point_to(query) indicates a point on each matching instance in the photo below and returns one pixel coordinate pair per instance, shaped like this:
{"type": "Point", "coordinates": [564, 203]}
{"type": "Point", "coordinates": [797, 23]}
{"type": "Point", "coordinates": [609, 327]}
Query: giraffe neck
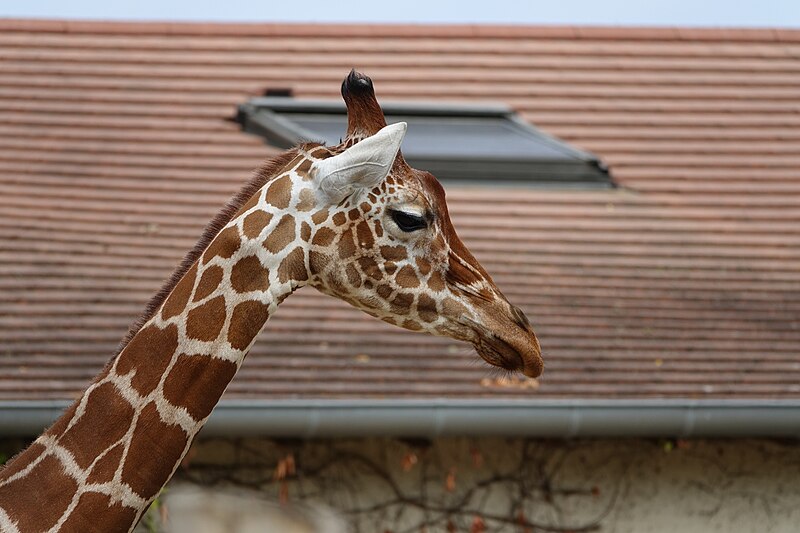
{"type": "Point", "coordinates": [102, 463]}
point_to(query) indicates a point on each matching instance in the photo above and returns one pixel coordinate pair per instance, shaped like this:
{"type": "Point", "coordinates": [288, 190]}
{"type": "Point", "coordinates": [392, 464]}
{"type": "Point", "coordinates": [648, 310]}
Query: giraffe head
{"type": "Point", "coordinates": [388, 247]}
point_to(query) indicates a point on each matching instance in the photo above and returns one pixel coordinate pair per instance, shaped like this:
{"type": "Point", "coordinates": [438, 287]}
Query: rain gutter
{"type": "Point", "coordinates": [446, 417]}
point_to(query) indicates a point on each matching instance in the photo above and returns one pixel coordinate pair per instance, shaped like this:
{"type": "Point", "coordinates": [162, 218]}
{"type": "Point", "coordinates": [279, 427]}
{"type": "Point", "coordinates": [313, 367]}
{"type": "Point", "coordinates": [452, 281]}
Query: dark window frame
{"type": "Point", "coordinates": [278, 120]}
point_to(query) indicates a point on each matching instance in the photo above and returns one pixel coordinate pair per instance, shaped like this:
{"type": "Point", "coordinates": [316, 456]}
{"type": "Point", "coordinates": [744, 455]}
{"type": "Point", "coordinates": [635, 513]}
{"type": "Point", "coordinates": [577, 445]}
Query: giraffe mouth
{"type": "Point", "coordinates": [500, 354]}
{"type": "Point", "coordinates": [521, 356]}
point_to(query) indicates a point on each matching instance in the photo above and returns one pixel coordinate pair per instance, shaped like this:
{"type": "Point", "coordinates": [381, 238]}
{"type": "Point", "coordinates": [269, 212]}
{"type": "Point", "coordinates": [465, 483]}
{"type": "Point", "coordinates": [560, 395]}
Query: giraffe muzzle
{"type": "Point", "coordinates": [516, 350]}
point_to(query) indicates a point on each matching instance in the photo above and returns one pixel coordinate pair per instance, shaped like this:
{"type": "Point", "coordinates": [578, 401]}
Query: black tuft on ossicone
{"type": "Point", "coordinates": [364, 113]}
{"type": "Point", "coordinates": [357, 83]}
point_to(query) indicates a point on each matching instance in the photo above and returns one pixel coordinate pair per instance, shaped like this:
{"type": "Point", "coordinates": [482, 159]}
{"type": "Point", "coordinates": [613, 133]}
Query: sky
{"type": "Point", "coordinates": [713, 13]}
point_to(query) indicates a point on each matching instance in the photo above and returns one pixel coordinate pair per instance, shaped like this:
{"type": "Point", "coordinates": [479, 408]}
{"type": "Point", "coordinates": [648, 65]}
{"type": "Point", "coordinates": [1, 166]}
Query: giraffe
{"type": "Point", "coordinates": [355, 222]}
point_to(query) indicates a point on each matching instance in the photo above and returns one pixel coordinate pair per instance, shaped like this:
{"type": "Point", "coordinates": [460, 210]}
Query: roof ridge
{"type": "Point", "coordinates": [632, 33]}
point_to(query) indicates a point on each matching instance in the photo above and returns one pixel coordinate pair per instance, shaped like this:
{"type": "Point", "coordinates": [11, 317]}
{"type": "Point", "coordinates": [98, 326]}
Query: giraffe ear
{"type": "Point", "coordinates": [362, 166]}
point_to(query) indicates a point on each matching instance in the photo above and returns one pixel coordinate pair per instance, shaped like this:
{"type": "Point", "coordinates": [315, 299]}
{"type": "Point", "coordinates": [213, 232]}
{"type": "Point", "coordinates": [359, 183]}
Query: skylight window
{"type": "Point", "coordinates": [476, 144]}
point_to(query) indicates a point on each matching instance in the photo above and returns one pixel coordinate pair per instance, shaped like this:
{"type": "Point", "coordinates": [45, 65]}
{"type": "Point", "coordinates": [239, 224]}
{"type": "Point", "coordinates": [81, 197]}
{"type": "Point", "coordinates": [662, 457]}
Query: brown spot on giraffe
{"type": "Point", "coordinates": [339, 218]}
{"type": "Point", "coordinates": [317, 262]}
{"type": "Point", "coordinates": [224, 245]}
{"type": "Point", "coordinates": [364, 235]}
{"type": "Point", "coordinates": [394, 253]}
{"type": "Point", "coordinates": [384, 290]}
{"type": "Point", "coordinates": [152, 436]}
{"type": "Point", "coordinates": [209, 281]}
{"type": "Point", "coordinates": [424, 265]}
{"type": "Point", "coordinates": [282, 235]}
{"type": "Point", "coordinates": [407, 277]}
{"type": "Point", "coordinates": [148, 354]}
{"type": "Point", "coordinates": [205, 321]}
{"type": "Point", "coordinates": [107, 414]}
{"type": "Point", "coordinates": [248, 274]}
{"type": "Point", "coordinates": [436, 282]}
{"type": "Point", "coordinates": [401, 302]}
{"type": "Point", "coordinates": [353, 277]}
{"type": "Point", "coordinates": [246, 321]}
{"type": "Point", "coordinates": [177, 301]}
{"type": "Point", "coordinates": [304, 167]}
{"type": "Point", "coordinates": [293, 266]}
{"type": "Point", "coordinates": [320, 153]}
{"type": "Point", "coordinates": [305, 231]}
{"type": "Point", "coordinates": [196, 383]}
{"type": "Point", "coordinates": [91, 505]}
{"type": "Point", "coordinates": [54, 490]}
{"type": "Point", "coordinates": [279, 194]}
{"type": "Point", "coordinates": [320, 216]}
{"type": "Point", "coordinates": [347, 247]}
{"type": "Point", "coordinates": [255, 223]}
{"type": "Point", "coordinates": [411, 324]}
{"type": "Point", "coordinates": [426, 308]}
{"type": "Point", "coordinates": [323, 237]}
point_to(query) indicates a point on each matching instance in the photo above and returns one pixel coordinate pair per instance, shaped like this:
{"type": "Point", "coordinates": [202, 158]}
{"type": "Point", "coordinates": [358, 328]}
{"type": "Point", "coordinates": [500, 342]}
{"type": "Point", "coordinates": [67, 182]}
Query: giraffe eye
{"type": "Point", "coordinates": [408, 222]}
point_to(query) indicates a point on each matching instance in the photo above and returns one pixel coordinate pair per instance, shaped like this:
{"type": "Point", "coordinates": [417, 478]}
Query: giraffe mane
{"type": "Point", "coordinates": [266, 172]}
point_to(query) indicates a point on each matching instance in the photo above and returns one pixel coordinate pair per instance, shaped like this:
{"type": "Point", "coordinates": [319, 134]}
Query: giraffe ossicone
{"type": "Point", "coordinates": [352, 220]}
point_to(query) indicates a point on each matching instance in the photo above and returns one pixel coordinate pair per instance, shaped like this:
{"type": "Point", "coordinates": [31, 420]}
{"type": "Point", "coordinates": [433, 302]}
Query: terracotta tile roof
{"type": "Point", "coordinates": [115, 151]}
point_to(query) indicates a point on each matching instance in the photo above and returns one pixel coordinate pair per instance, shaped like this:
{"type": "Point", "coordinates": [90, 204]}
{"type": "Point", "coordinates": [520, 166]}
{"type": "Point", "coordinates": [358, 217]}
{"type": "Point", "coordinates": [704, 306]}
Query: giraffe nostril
{"type": "Point", "coordinates": [519, 317]}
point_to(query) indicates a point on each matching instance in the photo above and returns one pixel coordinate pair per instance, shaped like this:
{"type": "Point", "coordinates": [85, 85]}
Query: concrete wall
{"type": "Point", "coordinates": [623, 486]}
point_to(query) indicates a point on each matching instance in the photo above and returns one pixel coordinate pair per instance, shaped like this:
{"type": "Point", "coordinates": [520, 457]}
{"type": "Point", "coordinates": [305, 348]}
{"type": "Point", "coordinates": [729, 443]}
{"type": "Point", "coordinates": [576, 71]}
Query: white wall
{"type": "Point", "coordinates": [624, 486]}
